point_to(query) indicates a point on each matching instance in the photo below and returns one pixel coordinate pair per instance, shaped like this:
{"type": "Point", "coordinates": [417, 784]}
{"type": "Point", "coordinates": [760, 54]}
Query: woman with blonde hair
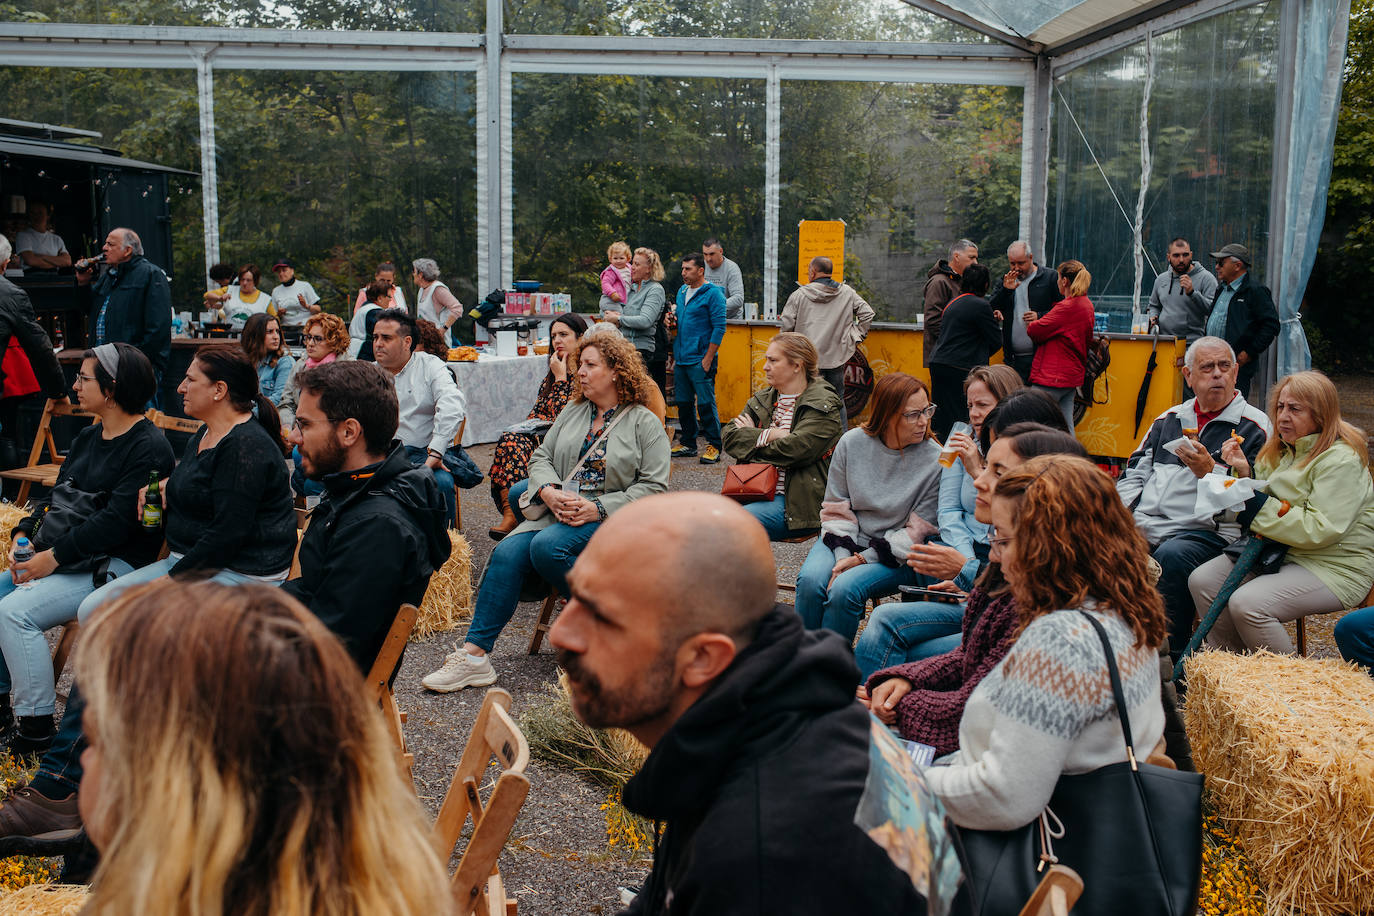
{"type": "Point", "coordinates": [793, 424]}
{"type": "Point", "coordinates": [1062, 336]}
{"type": "Point", "coordinates": [235, 765]}
{"type": "Point", "coordinates": [1318, 502]}
{"type": "Point", "coordinates": [1069, 551]}
{"type": "Point", "coordinates": [881, 499]}
{"type": "Point", "coordinates": [639, 319]}
{"type": "Point", "coordinates": [605, 450]}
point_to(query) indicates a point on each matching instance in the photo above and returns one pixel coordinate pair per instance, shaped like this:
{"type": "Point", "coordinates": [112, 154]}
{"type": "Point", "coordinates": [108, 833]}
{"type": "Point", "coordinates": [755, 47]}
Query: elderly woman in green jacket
{"type": "Point", "coordinates": [792, 424]}
{"type": "Point", "coordinates": [1319, 501]}
{"type": "Point", "coordinates": [605, 450]}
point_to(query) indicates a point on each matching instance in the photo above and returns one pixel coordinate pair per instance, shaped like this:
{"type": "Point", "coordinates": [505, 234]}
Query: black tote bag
{"type": "Point", "coordinates": [1132, 831]}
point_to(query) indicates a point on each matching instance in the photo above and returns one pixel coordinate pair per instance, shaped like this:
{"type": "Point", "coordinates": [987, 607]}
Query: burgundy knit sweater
{"type": "Point", "coordinates": [930, 713]}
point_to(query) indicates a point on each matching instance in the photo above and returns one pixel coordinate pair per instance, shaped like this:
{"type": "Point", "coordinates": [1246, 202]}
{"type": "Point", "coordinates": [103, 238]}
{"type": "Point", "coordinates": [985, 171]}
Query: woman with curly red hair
{"type": "Point", "coordinates": [1068, 544]}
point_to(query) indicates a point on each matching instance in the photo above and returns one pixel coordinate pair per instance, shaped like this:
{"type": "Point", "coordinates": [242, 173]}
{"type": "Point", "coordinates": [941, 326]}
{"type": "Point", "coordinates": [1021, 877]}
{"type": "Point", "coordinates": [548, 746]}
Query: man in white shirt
{"type": "Point", "coordinates": [430, 403]}
{"type": "Point", "coordinates": [39, 247]}
{"type": "Point", "coordinates": [294, 298]}
{"type": "Point", "coordinates": [724, 273]}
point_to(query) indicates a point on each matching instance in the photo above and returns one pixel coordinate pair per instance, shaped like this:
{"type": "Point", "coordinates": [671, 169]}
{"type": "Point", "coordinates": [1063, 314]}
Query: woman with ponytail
{"type": "Point", "coordinates": [227, 507]}
{"type": "Point", "coordinates": [1062, 336]}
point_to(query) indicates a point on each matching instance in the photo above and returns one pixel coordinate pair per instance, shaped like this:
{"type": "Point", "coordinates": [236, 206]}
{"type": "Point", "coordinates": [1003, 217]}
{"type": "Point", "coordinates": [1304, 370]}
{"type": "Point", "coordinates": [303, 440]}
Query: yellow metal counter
{"type": "Point", "coordinates": [1106, 431]}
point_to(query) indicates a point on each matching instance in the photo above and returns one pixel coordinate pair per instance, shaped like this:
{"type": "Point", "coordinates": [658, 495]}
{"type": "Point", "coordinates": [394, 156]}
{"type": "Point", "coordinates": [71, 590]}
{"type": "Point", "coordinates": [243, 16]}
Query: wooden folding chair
{"type": "Point", "coordinates": [792, 586]}
{"type": "Point", "coordinates": [1056, 894]}
{"type": "Point", "coordinates": [63, 650]}
{"type": "Point", "coordinates": [545, 621]}
{"type": "Point", "coordinates": [379, 683]}
{"type": "Point", "coordinates": [477, 886]}
{"type": "Point", "coordinates": [36, 471]}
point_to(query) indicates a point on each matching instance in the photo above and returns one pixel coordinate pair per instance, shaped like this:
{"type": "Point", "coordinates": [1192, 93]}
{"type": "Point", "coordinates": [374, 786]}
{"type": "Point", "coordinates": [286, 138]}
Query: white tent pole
{"type": "Point", "coordinates": [772, 162]}
{"type": "Point", "coordinates": [496, 169]}
{"type": "Point", "coordinates": [209, 183]}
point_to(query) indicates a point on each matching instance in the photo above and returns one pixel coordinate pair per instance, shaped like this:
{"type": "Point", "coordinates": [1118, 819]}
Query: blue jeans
{"type": "Point", "coordinates": [26, 669]}
{"type": "Point", "coordinates": [1064, 398]}
{"type": "Point", "coordinates": [1355, 637]}
{"type": "Point", "coordinates": [692, 383]}
{"type": "Point", "coordinates": [771, 517]}
{"type": "Point", "coordinates": [442, 477]}
{"type": "Point", "coordinates": [842, 606]}
{"type": "Point", "coordinates": [59, 772]}
{"type": "Point", "coordinates": [549, 553]}
{"type": "Point", "coordinates": [1177, 557]}
{"type": "Point", "coordinates": [907, 631]}
{"type": "Point", "coordinates": [112, 590]}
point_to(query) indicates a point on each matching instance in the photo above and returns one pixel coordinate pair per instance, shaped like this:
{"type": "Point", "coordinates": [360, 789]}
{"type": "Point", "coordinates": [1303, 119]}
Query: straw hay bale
{"type": "Point", "coordinates": [10, 515]}
{"type": "Point", "coordinates": [448, 601]}
{"type": "Point", "coordinates": [1287, 744]}
{"type": "Point", "coordinates": [44, 900]}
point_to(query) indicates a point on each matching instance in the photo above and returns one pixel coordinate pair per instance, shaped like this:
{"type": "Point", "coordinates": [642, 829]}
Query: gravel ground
{"type": "Point", "coordinates": [558, 860]}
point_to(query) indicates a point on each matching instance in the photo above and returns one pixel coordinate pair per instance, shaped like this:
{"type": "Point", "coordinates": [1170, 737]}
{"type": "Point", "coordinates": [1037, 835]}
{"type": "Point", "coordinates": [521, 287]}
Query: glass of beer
{"type": "Point", "coordinates": [949, 453]}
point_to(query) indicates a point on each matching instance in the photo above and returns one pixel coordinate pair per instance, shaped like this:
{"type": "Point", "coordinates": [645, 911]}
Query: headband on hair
{"type": "Point", "coordinates": [108, 358]}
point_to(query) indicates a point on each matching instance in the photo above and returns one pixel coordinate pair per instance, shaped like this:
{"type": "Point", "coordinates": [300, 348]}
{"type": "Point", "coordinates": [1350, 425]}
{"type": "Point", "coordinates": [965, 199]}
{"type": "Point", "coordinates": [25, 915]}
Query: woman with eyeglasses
{"type": "Point", "coordinates": [84, 529]}
{"type": "Point", "coordinates": [925, 698]}
{"type": "Point", "coordinates": [326, 339]}
{"type": "Point", "coordinates": [881, 497]}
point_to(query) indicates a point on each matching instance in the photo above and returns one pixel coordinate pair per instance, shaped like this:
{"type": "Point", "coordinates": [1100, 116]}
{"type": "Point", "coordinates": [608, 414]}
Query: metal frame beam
{"type": "Point", "coordinates": [958, 17]}
{"type": "Point", "coordinates": [1078, 52]}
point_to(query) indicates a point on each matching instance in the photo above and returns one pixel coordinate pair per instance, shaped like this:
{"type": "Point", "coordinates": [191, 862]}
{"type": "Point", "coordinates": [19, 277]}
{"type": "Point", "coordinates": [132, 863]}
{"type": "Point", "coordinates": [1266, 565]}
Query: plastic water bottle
{"type": "Point", "coordinates": [23, 552]}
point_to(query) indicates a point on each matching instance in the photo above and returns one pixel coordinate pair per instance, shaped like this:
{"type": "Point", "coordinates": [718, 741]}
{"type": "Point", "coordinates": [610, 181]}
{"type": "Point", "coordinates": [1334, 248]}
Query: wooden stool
{"type": "Point", "coordinates": [545, 621]}
{"type": "Point", "coordinates": [785, 586]}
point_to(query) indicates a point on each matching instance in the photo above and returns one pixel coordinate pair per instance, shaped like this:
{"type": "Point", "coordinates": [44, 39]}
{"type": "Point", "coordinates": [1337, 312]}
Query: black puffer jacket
{"type": "Point", "coordinates": [17, 320]}
{"type": "Point", "coordinates": [759, 782]}
{"type": "Point", "coordinates": [372, 544]}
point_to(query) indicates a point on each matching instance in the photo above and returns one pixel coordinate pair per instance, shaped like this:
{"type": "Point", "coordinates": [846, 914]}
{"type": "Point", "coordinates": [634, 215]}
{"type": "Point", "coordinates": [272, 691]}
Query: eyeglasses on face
{"type": "Point", "coordinates": [999, 540]}
{"type": "Point", "coordinates": [1219, 366]}
{"type": "Point", "coordinates": [83, 379]}
{"type": "Point", "coordinates": [312, 338]}
{"type": "Point", "coordinates": [911, 416]}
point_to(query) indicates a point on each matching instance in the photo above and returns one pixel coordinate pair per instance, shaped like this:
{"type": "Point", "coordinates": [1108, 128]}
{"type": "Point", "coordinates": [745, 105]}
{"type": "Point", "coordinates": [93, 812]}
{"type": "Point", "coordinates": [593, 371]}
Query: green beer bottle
{"type": "Point", "coordinates": [152, 504]}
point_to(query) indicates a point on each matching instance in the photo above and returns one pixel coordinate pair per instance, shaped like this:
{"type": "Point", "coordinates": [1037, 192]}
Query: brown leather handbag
{"type": "Point", "coordinates": [750, 483]}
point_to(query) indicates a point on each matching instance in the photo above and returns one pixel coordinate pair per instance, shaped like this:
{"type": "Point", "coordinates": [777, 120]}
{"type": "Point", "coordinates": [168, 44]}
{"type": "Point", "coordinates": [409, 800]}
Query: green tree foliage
{"type": "Point", "coordinates": [1338, 302]}
{"type": "Point", "coordinates": [340, 170]}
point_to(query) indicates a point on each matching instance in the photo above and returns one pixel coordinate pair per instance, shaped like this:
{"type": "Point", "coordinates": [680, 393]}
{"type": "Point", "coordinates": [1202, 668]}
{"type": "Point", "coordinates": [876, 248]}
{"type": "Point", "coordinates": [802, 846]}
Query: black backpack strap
{"type": "Point", "coordinates": [1117, 692]}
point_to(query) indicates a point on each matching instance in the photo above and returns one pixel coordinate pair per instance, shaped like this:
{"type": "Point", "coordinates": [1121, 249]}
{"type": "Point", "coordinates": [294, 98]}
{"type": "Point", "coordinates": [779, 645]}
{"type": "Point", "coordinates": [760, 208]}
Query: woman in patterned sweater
{"type": "Point", "coordinates": [511, 463]}
{"type": "Point", "coordinates": [1067, 543]}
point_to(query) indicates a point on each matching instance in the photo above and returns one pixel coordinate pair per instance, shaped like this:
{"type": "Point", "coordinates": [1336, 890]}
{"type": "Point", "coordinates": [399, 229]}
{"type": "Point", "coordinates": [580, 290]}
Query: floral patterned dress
{"type": "Point", "coordinates": [511, 463]}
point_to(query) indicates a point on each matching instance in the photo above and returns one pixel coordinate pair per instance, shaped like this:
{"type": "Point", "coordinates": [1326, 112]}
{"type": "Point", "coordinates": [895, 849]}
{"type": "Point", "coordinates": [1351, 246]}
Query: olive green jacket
{"type": "Point", "coordinates": [1330, 528]}
{"type": "Point", "coordinates": [803, 454]}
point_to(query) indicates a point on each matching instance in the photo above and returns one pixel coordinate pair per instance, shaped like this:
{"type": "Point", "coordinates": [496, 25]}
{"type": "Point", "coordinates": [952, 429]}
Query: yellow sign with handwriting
{"type": "Point", "coordinates": [820, 238]}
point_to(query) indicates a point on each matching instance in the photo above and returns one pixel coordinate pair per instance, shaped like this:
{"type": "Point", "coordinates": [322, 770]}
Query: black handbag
{"type": "Point", "coordinates": [67, 508]}
{"type": "Point", "coordinates": [1132, 831]}
{"type": "Point", "coordinates": [1271, 555]}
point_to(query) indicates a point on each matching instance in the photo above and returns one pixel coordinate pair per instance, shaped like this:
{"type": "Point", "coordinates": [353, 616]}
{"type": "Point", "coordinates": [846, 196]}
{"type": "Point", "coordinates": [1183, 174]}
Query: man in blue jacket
{"type": "Point", "coordinates": [132, 301]}
{"type": "Point", "coordinates": [700, 329]}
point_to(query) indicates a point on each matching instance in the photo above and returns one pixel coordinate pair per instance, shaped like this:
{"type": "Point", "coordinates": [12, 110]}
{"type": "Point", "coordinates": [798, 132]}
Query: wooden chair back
{"type": "Point", "coordinates": [169, 423]}
{"type": "Point", "coordinates": [477, 886]}
{"type": "Point", "coordinates": [379, 684]}
{"type": "Point", "coordinates": [35, 469]}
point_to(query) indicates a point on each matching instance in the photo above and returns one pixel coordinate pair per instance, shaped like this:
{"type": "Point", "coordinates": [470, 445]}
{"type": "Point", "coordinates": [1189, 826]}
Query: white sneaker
{"type": "Point", "coordinates": [460, 671]}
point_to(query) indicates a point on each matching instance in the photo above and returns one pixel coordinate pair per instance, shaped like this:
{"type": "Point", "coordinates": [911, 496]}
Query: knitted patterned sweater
{"type": "Point", "coordinates": [941, 685]}
{"type": "Point", "coordinates": [1046, 710]}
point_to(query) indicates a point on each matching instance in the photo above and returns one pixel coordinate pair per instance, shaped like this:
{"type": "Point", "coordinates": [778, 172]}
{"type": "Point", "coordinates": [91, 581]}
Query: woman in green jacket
{"type": "Point", "coordinates": [1319, 501]}
{"type": "Point", "coordinates": [792, 424]}
{"type": "Point", "coordinates": [622, 451]}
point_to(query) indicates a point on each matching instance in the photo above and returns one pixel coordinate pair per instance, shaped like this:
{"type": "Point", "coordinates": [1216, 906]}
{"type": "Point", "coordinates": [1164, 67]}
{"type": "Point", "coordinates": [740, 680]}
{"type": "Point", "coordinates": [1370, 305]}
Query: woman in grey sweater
{"type": "Point", "coordinates": [881, 498]}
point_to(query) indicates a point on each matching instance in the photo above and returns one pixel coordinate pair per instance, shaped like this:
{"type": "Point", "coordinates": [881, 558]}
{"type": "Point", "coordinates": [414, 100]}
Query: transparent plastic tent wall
{"type": "Point", "coordinates": [520, 139]}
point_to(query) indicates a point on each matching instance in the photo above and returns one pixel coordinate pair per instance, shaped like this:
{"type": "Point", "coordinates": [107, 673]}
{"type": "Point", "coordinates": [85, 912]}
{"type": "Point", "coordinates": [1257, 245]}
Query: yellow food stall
{"type": "Point", "coordinates": [1107, 430]}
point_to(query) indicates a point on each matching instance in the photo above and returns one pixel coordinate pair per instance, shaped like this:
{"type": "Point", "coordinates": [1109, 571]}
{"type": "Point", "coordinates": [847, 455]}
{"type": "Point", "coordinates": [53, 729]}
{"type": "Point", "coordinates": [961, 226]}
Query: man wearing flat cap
{"type": "Point", "coordinates": [1243, 312]}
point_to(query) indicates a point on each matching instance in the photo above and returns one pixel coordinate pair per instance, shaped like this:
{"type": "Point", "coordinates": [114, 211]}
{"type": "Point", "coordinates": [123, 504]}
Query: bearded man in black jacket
{"type": "Point", "coordinates": [759, 751]}
{"type": "Point", "coordinates": [380, 531]}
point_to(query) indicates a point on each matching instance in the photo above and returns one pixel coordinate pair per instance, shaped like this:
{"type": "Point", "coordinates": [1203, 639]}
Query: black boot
{"type": "Point", "coordinates": [33, 737]}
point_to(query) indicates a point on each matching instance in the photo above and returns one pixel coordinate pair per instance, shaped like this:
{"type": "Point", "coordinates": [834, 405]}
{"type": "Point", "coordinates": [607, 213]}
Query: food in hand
{"type": "Point", "coordinates": [1237, 437]}
{"type": "Point", "coordinates": [1226, 485]}
{"type": "Point", "coordinates": [462, 355]}
{"type": "Point", "coordinates": [1190, 432]}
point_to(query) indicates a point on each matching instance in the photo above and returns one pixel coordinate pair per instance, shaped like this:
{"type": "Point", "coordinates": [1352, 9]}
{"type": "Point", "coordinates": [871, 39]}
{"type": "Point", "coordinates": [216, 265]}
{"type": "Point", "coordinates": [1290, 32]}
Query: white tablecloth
{"type": "Point", "coordinates": [500, 391]}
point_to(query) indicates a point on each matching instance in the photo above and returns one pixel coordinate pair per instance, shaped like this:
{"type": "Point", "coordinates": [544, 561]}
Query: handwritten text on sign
{"type": "Point", "coordinates": [820, 237]}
